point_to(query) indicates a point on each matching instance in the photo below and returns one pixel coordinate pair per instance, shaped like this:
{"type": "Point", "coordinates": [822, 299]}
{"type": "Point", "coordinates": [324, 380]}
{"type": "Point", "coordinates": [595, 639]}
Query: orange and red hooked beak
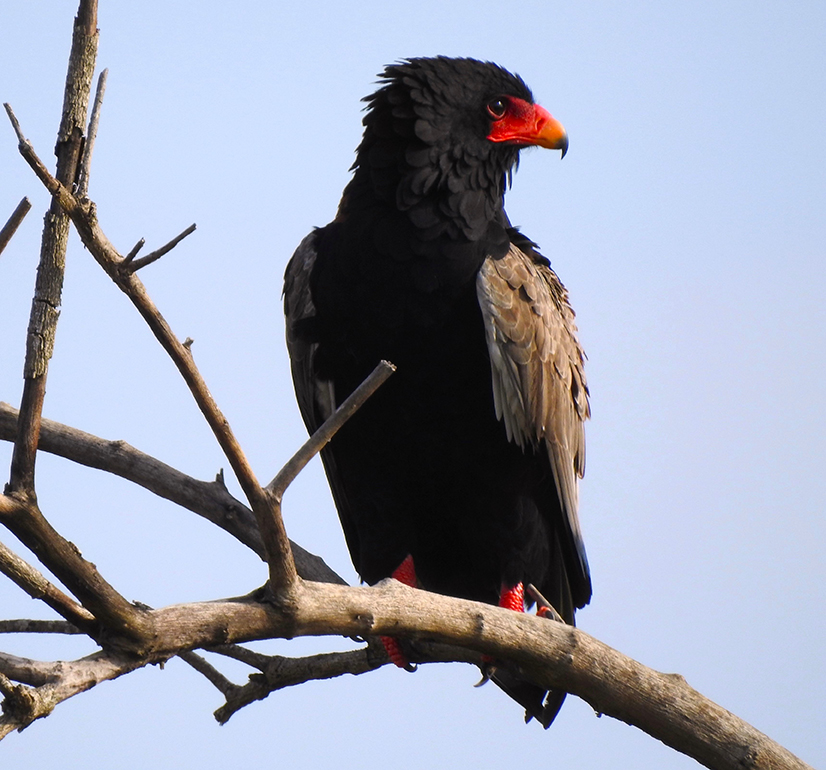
{"type": "Point", "coordinates": [523, 123]}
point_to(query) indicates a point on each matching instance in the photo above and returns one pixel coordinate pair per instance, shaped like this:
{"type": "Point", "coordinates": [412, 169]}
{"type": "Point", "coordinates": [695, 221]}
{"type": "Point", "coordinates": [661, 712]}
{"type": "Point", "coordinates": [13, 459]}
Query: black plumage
{"type": "Point", "coordinates": [468, 458]}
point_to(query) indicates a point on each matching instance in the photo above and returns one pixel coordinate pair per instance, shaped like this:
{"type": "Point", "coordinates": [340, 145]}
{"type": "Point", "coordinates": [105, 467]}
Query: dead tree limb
{"type": "Point", "coordinates": [266, 508]}
{"type": "Point", "coordinates": [329, 428]}
{"type": "Point", "coordinates": [10, 228]}
{"type": "Point", "coordinates": [23, 626]}
{"type": "Point", "coordinates": [49, 285]}
{"type": "Point", "coordinates": [209, 499]}
{"type": "Point", "coordinates": [55, 683]}
{"type": "Point", "coordinates": [35, 585]}
{"type": "Point", "coordinates": [91, 135]}
{"type": "Point", "coordinates": [154, 256]}
{"type": "Point", "coordinates": [552, 654]}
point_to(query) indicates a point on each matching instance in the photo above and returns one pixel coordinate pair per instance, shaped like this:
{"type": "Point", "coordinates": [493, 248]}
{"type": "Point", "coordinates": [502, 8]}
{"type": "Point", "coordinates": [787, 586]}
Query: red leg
{"type": "Point", "coordinates": [404, 573]}
{"type": "Point", "coordinates": [512, 598]}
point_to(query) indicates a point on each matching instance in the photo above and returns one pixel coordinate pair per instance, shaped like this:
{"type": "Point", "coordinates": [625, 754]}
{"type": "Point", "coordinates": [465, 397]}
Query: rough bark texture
{"type": "Point", "coordinates": [49, 284]}
{"type": "Point", "coordinates": [553, 654]}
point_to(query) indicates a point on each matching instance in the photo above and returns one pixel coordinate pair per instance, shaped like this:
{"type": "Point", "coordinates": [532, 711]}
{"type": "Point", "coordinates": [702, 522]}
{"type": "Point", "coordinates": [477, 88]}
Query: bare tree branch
{"type": "Point", "coordinates": [27, 626]}
{"type": "Point", "coordinates": [202, 666]}
{"type": "Point", "coordinates": [10, 228]}
{"type": "Point", "coordinates": [23, 705]}
{"type": "Point", "coordinates": [32, 672]}
{"type": "Point", "coordinates": [134, 252]}
{"type": "Point", "coordinates": [209, 499]}
{"type": "Point", "coordinates": [91, 135]}
{"type": "Point", "coordinates": [552, 654]}
{"type": "Point", "coordinates": [244, 655]}
{"type": "Point", "coordinates": [22, 670]}
{"type": "Point", "coordinates": [281, 672]}
{"type": "Point", "coordinates": [329, 428]}
{"type": "Point", "coordinates": [35, 585]}
{"type": "Point", "coordinates": [49, 285]}
{"type": "Point", "coordinates": [158, 253]}
{"type": "Point", "coordinates": [80, 576]}
{"type": "Point", "coordinates": [266, 508]}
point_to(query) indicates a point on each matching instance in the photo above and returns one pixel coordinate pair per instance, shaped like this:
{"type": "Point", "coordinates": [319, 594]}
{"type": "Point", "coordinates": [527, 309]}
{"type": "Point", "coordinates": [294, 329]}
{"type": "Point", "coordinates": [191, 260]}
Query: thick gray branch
{"type": "Point", "coordinates": [552, 654]}
{"type": "Point", "coordinates": [49, 283]}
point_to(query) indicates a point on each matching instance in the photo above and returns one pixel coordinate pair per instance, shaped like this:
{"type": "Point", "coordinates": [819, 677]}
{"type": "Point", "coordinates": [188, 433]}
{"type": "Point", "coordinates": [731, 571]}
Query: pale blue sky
{"type": "Point", "coordinates": [687, 222]}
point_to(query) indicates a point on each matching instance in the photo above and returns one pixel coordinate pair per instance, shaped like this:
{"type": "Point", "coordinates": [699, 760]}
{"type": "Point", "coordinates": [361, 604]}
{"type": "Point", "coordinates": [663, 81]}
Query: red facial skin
{"type": "Point", "coordinates": [518, 122]}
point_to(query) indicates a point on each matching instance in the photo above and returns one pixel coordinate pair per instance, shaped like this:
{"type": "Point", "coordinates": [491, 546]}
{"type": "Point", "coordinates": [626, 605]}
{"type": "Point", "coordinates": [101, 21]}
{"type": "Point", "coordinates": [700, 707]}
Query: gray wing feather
{"type": "Point", "coordinates": [537, 368]}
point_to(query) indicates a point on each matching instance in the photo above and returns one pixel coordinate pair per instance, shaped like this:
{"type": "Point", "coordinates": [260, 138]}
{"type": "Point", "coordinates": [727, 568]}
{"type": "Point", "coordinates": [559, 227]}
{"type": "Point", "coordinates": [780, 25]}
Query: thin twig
{"type": "Point", "coordinates": [10, 228]}
{"type": "Point", "coordinates": [15, 124]}
{"type": "Point", "coordinates": [244, 655]}
{"type": "Point", "coordinates": [158, 253]}
{"type": "Point", "coordinates": [134, 251]}
{"type": "Point", "coordinates": [329, 428]}
{"type": "Point", "coordinates": [202, 666]}
{"type": "Point", "coordinates": [548, 610]}
{"type": "Point", "coordinates": [28, 626]}
{"type": "Point", "coordinates": [91, 135]}
{"type": "Point", "coordinates": [35, 585]}
{"type": "Point", "coordinates": [30, 156]}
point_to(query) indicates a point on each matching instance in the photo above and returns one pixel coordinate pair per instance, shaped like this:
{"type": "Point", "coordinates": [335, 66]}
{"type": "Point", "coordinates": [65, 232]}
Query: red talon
{"type": "Point", "coordinates": [404, 573]}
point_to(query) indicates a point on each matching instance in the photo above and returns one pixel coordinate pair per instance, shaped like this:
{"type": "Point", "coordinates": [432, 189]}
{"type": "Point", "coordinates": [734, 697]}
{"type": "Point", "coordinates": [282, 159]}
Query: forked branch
{"type": "Point", "coordinates": [267, 512]}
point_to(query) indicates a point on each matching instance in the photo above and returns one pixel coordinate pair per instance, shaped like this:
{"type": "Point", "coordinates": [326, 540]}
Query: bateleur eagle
{"type": "Point", "coordinates": [460, 474]}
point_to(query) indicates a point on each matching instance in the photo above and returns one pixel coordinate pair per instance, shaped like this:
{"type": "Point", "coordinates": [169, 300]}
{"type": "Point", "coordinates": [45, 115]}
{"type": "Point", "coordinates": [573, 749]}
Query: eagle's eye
{"type": "Point", "coordinates": [497, 108]}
